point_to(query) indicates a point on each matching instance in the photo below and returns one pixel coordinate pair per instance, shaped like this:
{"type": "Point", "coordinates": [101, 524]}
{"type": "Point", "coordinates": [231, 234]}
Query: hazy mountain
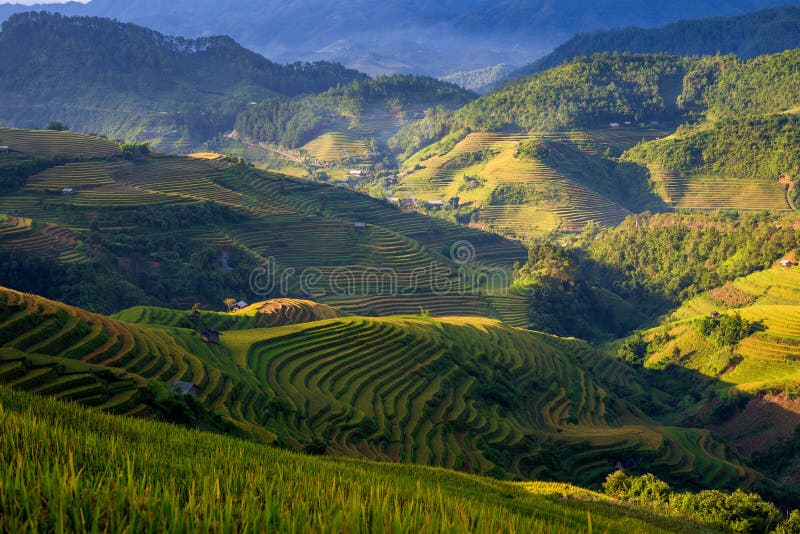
{"type": "Point", "coordinates": [764, 32]}
{"type": "Point", "coordinates": [436, 38]}
{"type": "Point", "coordinates": [118, 78]}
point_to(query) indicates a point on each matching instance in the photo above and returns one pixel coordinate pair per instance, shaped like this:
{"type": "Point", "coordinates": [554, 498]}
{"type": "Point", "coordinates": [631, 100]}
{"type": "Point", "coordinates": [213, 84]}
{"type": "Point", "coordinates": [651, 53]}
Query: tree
{"type": "Point", "coordinates": [57, 126]}
{"type": "Point", "coordinates": [229, 303]}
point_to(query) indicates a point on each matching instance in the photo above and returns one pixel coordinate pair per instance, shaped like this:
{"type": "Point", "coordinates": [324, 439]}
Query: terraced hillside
{"type": "Point", "coordinates": [716, 192]}
{"type": "Point", "coordinates": [483, 165]}
{"type": "Point", "coordinates": [45, 143]}
{"type": "Point", "coordinates": [768, 359]}
{"type": "Point", "coordinates": [211, 207]}
{"type": "Point", "coordinates": [470, 394]}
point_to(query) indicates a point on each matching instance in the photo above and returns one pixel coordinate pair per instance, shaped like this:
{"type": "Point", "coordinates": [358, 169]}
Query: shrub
{"type": "Point", "coordinates": [734, 512]}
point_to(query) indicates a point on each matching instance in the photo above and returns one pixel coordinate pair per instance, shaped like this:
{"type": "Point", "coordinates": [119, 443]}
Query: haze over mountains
{"type": "Point", "coordinates": [434, 38]}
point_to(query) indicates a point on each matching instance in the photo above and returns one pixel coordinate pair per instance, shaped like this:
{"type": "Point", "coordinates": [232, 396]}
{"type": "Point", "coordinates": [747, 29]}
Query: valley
{"type": "Point", "coordinates": [341, 302]}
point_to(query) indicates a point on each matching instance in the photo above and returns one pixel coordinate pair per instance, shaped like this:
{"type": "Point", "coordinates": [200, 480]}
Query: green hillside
{"type": "Point", "coordinates": [65, 467]}
{"type": "Point", "coordinates": [136, 232]}
{"type": "Point", "coordinates": [528, 185]}
{"type": "Point", "coordinates": [126, 81]}
{"type": "Point", "coordinates": [468, 394]}
{"type": "Point", "coordinates": [745, 154]}
{"type": "Point", "coordinates": [586, 92]}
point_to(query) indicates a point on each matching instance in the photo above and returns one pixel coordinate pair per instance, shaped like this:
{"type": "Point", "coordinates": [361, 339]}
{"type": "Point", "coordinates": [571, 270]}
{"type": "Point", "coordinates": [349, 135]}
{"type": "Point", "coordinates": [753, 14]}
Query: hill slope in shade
{"type": "Point", "coordinates": [270, 313]}
{"type": "Point", "coordinates": [469, 394]}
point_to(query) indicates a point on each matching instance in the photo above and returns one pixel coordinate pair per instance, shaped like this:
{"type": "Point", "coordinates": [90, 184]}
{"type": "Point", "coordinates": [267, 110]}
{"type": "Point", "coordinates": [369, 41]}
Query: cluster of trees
{"type": "Point", "coordinates": [674, 257]}
{"type": "Point", "coordinates": [726, 330]}
{"type": "Point", "coordinates": [751, 131]}
{"type": "Point", "coordinates": [14, 175]}
{"type": "Point", "coordinates": [281, 122]}
{"type": "Point", "coordinates": [739, 512]}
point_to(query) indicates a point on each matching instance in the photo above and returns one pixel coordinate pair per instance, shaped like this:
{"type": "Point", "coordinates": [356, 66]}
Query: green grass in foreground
{"type": "Point", "coordinates": [64, 468]}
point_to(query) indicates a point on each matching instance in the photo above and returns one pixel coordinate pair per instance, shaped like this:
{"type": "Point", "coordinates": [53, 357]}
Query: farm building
{"type": "Point", "coordinates": [361, 227]}
{"type": "Point", "coordinates": [68, 191]}
{"type": "Point", "coordinates": [715, 314]}
{"type": "Point", "coordinates": [786, 263]}
{"type": "Point", "coordinates": [356, 173]}
{"type": "Point", "coordinates": [210, 336]}
{"type": "Point", "coordinates": [184, 388]}
{"type": "Point", "coordinates": [4, 150]}
{"type": "Point", "coordinates": [437, 204]}
{"type": "Point", "coordinates": [240, 305]}
{"type": "Point", "coordinates": [408, 203]}
{"type": "Point", "coordinates": [394, 201]}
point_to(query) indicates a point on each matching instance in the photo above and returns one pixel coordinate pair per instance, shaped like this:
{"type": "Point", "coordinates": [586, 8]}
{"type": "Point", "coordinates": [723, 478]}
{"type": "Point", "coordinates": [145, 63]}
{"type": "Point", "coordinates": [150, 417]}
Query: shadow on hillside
{"type": "Point", "coordinates": [626, 183]}
{"type": "Point", "coordinates": [687, 398]}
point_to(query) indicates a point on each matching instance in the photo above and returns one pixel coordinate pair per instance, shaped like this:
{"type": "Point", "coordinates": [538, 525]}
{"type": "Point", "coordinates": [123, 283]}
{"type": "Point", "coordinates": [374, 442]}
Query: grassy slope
{"type": "Point", "coordinates": [464, 393]}
{"type": "Point", "coordinates": [62, 466]}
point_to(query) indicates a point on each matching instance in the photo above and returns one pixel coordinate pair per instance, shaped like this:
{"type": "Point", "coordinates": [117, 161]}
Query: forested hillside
{"type": "Point", "coordinates": [587, 92]}
{"type": "Point", "coordinates": [747, 36]}
{"type": "Point", "coordinates": [293, 123]}
{"type": "Point", "coordinates": [122, 80]}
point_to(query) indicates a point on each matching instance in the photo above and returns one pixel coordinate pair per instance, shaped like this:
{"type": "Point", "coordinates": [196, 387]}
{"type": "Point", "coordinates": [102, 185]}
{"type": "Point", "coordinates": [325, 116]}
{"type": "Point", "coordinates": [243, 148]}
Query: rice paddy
{"type": "Point", "coordinates": [712, 193]}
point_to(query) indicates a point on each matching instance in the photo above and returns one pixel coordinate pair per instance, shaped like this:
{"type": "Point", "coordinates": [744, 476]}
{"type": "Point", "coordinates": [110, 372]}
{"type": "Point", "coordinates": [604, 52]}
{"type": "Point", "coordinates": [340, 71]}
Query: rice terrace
{"type": "Point", "coordinates": [405, 275]}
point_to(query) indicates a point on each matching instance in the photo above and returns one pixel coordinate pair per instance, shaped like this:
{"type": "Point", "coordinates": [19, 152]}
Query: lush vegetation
{"type": "Point", "coordinates": [758, 147]}
{"type": "Point", "coordinates": [729, 512]}
{"type": "Point", "coordinates": [148, 225]}
{"type": "Point", "coordinates": [619, 277]}
{"type": "Point", "coordinates": [532, 405]}
{"type": "Point", "coordinates": [583, 93]}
